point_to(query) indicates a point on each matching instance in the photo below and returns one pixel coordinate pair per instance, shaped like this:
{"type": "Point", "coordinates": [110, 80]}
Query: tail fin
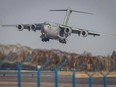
{"type": "Point", "coordinates": [68, 12]}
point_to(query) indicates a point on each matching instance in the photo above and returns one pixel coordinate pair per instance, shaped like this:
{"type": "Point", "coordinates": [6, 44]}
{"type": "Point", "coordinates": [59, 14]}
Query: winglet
{"type": "Point", "coordinates": [0, 22]}
{"type": "Point", "coordinates": [114, 36]}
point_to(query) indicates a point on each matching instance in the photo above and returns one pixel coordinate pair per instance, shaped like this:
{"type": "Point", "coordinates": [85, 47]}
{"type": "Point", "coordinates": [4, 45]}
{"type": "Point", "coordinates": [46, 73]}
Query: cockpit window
{"type": "Point", "coordinates": [50, 23]}
{"type": "Point", "coordinates": [46, 22]}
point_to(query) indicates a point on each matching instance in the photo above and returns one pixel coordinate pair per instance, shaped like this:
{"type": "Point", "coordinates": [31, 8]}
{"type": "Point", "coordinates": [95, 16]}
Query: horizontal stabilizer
{"type": "Point", "coordinates": [72, 11]}
{"type": "Point", "coordinates": [82, 12]}
{"type": "Point", "coordinates": [59, 10]}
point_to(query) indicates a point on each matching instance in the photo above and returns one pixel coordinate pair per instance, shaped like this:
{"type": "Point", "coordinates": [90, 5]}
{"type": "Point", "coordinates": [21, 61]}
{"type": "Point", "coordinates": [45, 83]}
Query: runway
{"type": "Point", "coordinates": [8, 78]}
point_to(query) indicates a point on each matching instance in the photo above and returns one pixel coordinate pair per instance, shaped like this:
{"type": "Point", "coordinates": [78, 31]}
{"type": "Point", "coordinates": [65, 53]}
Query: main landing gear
{"type": "Point", "coordinates": [62, 41]}
{"type": "Point", "coordinates": [45, 39]}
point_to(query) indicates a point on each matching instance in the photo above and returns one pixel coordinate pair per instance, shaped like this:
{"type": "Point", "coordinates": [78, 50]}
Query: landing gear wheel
{"type": "Point", "coordinates": [45, 39]}
{"type": "Point", "coordinates": [62, 41]}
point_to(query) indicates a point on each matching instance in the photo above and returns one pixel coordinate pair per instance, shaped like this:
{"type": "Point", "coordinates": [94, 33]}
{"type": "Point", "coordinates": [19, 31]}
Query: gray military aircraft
{"type": "Point", "coordinates": [56, 31]}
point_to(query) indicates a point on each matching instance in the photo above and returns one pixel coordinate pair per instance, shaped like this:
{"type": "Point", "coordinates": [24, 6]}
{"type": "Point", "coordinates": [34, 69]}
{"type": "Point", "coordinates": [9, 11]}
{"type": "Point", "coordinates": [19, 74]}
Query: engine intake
{"type": "Point", "coordinates": [33, 27]}
{"type": "Point", "coordinates": [20, 27]}
{"type": "Point", "coordinates": [67, 31]}
{"type": "Point", "coordinates": [84, 33]}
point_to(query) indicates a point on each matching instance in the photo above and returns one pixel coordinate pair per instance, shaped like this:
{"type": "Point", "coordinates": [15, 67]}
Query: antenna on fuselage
{"type": "Point", "coordinates": [68, 12]}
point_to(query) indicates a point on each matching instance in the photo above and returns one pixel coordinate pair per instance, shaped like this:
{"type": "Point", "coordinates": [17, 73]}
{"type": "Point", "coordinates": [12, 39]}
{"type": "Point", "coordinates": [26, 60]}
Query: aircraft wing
{"type": "Point", "coordinates": [20, 27]}
{"type": "Point", "coordinates": [8, 25]}
{"type": "Point", "coordinates": [84, 32]}
{"type": "Point", "coordinates": [80, 31]}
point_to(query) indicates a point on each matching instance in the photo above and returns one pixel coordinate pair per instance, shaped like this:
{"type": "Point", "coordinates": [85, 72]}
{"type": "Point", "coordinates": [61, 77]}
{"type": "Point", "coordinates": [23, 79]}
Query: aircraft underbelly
{"type": "Point", "coordinates": [52, 32]}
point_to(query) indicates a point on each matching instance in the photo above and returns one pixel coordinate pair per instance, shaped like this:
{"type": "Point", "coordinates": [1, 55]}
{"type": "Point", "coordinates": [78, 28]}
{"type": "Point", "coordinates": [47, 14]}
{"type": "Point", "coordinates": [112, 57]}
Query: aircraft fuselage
{"type": "Point", "coordinates": [53, 31]}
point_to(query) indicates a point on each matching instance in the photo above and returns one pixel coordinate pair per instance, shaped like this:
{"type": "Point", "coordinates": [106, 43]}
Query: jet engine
{"type": "Point", "coordinates": [84, 33]}
{"type": "Point", "coordinates": [21, 27]}
{"type": "Point", "coordinates": [33, 27]}
{"type": "Point", "coordinates": [68, 31]}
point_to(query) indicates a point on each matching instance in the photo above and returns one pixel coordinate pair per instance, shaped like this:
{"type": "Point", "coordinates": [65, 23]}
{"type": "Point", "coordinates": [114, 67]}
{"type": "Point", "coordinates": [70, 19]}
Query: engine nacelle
{"type": "Point", "coordinates": [68, 31]}
{"type": "Point", "coordinates": [23, 26]}
{"type": "Point", "coordinates": [33, 27]}
{"type": "Point", "coordinates": [84, 33]}
{"type": "Point", "coordinates": [20, 27]}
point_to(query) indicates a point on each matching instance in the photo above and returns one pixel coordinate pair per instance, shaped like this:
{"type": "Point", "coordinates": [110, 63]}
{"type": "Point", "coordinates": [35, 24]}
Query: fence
{"type": "Point", "coordinates": [56, 74]}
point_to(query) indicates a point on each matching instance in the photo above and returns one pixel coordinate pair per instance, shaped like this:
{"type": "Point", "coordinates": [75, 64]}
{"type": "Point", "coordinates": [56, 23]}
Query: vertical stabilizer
{"type": "Point", "coordinates": [68, 13]}
{"type": "Point", "coordinates": [66, 19]}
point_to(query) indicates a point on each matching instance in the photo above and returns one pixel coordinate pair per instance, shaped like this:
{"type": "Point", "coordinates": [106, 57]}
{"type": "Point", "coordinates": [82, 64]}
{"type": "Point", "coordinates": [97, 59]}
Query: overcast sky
{"type": "Point", "coordinates": [37, 11]}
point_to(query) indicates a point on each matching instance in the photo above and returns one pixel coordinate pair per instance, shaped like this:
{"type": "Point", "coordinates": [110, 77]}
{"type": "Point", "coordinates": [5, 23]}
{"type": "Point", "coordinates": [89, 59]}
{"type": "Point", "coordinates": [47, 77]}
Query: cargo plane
{"type": "Point", "coordinates": [56, 31]}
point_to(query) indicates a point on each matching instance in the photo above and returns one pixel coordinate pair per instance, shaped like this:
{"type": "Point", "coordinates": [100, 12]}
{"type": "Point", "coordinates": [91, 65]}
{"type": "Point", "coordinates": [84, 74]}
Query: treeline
{"type": "Point", "coordinates": [11, 55]}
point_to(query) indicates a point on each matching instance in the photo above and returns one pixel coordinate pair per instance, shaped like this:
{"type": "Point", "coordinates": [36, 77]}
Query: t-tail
{"type": "Point", "coordinates": [68, 12]}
